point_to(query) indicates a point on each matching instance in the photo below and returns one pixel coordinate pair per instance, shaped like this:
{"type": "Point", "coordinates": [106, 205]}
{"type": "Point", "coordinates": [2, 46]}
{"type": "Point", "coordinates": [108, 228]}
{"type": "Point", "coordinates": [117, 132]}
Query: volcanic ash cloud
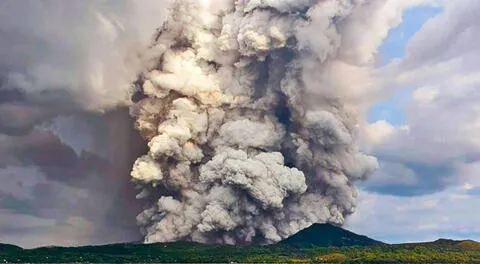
{"type": "Point", "coordinates": [242, 149]}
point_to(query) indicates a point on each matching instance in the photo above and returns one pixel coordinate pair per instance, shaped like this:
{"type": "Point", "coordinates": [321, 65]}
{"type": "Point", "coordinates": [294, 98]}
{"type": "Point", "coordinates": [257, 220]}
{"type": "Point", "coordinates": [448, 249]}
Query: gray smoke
{"type": "Point", "coordinates": [248, 142]}
{"type": "Point", "coordinates": [67, 142]}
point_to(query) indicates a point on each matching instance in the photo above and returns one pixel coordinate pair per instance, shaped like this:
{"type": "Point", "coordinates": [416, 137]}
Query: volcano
{"type": "Point", "coordinates": [328, 235]}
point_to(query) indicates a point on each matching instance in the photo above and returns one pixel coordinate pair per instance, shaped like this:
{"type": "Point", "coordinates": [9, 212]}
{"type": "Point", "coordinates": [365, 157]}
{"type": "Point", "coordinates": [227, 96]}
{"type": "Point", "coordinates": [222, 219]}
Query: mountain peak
{"type": "Point", "coordinates": [326, 235]}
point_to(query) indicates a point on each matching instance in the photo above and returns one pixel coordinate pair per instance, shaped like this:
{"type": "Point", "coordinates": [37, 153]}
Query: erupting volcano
{"type": "Point", "coordinates": [249, 139]}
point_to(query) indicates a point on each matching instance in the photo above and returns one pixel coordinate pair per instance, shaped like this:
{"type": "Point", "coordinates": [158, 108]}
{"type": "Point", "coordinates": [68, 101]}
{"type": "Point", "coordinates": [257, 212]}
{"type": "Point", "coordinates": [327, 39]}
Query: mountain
{"type": "Point", "coordinates": [327, 235]}
{"type": "Point", "coordinates": [442, 242]}
{"type": "Point", "coordinates": [319, 243]}
{"type": "Point", "coordinates": [468, 244]}
{"type": "Point", "coordinates": [8, 248]}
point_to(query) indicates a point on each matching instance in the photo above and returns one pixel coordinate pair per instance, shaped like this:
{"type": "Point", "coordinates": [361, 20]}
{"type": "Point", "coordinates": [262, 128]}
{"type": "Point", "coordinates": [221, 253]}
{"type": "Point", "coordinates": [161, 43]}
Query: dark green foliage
{"type": "Point", "coordinates": [365, 250]}
{"type": "Point", "coordinates": [197, 253]}
{"type": "Point", "coordinates": [325, 235]}
{"type": "Point", "coordinates": [8, 248]}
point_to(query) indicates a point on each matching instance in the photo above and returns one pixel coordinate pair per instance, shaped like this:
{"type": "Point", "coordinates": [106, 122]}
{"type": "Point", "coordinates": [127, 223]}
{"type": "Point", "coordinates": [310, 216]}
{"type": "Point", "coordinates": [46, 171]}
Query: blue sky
{"type": "Point", "coordinates": [395, 44]}
{"type": "Point", "coordinates": [392, 48]}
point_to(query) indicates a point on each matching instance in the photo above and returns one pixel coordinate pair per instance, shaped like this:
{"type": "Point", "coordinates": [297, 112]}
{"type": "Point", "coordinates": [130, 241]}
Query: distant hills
{"type": "Point", "coordinates": [448, 242]}
{"type": "Point", "coordinates": [328, 235]}
{"type": "Point", "coordinates": [8, 248]}
{"type": "Point", "coordinates": [319, 243]}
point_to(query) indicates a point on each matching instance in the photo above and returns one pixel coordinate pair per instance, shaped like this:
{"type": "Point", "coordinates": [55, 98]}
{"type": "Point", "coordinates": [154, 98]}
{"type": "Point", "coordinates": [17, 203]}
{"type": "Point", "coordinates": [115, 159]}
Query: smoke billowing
{"type": "Point", "coordinates": [67, 142]}
{"type": "Point", "coordinates": [250, 138]}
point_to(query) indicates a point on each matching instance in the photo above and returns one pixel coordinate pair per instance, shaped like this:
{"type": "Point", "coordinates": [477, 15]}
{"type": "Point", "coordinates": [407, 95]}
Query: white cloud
{"type": "Point", "coordinates": [378, 132]}
{"type": "Point", "coordinates": [443, 117]}
{"type": "Point", "coordinates": [411, 219]}
{"type": "Point", "coordinates": [425, 95]}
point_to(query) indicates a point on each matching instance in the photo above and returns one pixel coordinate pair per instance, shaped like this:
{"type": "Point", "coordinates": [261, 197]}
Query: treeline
{"type": "Point", "coordinates": [198, 253]}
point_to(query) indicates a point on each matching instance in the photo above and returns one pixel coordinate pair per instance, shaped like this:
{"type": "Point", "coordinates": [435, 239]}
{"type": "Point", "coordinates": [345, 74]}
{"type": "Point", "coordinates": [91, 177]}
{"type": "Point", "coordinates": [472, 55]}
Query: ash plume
{"type": "Point", "coordinates": [247, 141]}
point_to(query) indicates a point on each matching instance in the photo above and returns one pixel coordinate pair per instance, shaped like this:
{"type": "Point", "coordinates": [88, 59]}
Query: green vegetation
{"type": "Point", "coordinates": [469, 244]}
{"type": "Point", "coordinates": [193, 252]}
{"type": "Point", "coordinates": [8, 248]}
{"type": "Point", "coordinates": [317, 244]}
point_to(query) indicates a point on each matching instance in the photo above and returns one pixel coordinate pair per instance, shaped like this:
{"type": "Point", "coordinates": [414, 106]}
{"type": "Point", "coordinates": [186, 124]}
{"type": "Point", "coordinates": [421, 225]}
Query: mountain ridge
{"type": "Point", "coordinates": [466, 243]}
{"type": "Point", "coordinates": [328, 235]}
{"type": "Point", "coordinates": [321, 243]}
{"type": "Point", "coordinates": [317, 235]}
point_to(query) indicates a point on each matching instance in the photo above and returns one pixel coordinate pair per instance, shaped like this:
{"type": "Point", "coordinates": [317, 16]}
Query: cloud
{"type": "Point", "coordinates": [440, 137]}
{"type": "Point", "coordinates": [393, 219]}
{"type": "Point", "coordinates": [101, 201]}
{"type": "Point", "coordinates": [371, 25]}
{"type": "Point", "coordinates": [431, 46]}
{"type": "Point", "coordinates": [67, 142]}
{"type": "Point", "coordinates": [85, 49]}
{"type": "Point", "coordinates": [46, 179]}
{"type": "Point", "coordinates": [392, 174]}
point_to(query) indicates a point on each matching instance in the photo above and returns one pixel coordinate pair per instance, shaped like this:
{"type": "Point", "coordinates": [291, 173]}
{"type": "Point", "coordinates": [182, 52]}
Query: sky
{"type": "Point", "coordinates": [426, 131]}
{"type": "Point", "coordinates": [423, 126]}
{"type": "Point", "coordinates": [66, 150]}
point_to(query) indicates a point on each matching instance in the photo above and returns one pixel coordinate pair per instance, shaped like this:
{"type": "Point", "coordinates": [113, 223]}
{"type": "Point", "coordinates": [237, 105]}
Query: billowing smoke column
{"type": "Point", "coordinates": [242, 147]}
